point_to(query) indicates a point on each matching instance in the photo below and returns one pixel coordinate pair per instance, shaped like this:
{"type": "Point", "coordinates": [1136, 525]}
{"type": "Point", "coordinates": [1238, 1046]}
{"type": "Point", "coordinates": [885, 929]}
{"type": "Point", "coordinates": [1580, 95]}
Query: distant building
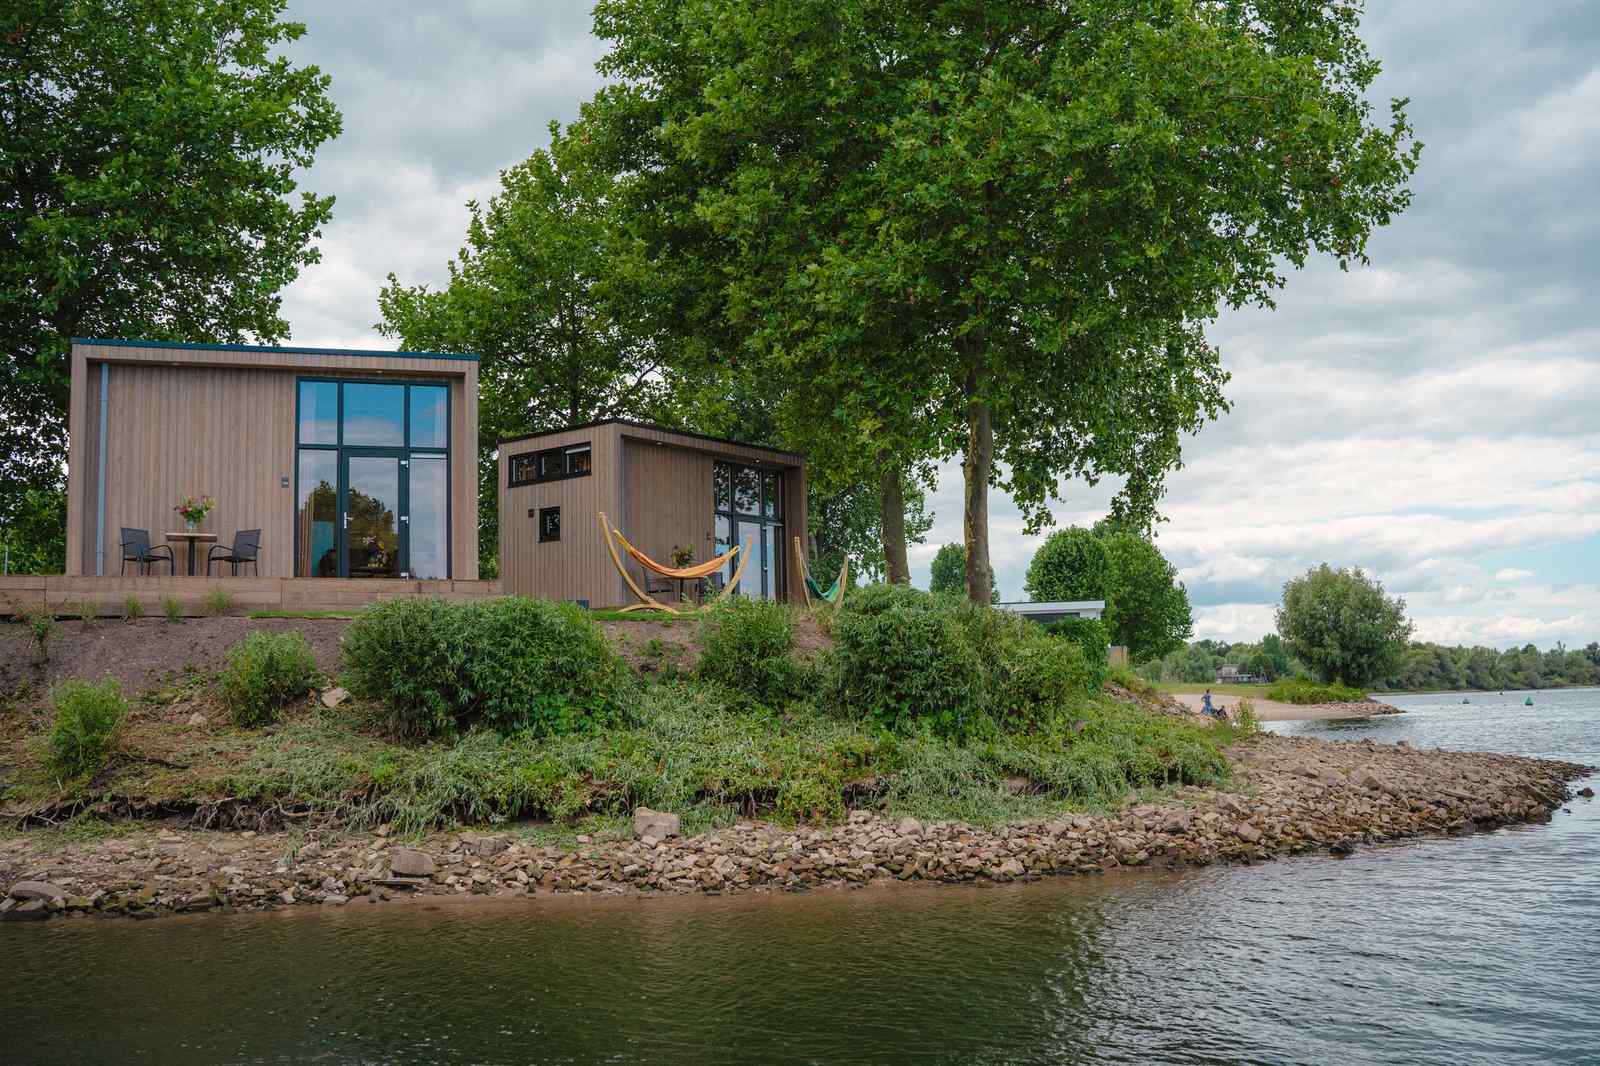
{"type": "Point", "coordinates": [1055, 610]}
{"type": "Point", "coordinates": [1232, 675]}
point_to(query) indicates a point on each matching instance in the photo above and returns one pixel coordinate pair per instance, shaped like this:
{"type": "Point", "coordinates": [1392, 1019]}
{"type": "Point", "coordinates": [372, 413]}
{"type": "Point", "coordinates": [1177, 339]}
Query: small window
{"type": "Point", "coordinates": [553, 464]}
{"type": "Point", "coordinates": [577, 461]}
{"type": "Point", "coordinates": [549, 524]}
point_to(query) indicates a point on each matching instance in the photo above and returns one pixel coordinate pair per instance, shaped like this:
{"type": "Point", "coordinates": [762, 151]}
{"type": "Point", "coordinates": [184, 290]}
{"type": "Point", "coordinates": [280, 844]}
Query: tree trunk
{"type": "Point", "coordinates": [892, 497]}
{"type": "Point", "coordinates": [976, 467]}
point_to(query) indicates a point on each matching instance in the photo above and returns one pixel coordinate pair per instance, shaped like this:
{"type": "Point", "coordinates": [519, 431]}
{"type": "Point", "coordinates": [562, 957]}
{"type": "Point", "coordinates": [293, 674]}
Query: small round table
{"type": "Point", "coordinates": [193, 539]}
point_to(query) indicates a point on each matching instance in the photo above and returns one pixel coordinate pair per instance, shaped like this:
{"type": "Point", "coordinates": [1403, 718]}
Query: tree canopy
{"type": "Point", "coordinates": [992, 228]}
{"type": "Point", "coordinates": [1340, 624]}
{"type": "Point", "coordinates": [948, 572]}
{"type": "Point", "coordinates": [1147, 608]}
{"type": "Point", "coordinates": [1069, 565]}
{"type": "Point", "coordinates": [148, 151]}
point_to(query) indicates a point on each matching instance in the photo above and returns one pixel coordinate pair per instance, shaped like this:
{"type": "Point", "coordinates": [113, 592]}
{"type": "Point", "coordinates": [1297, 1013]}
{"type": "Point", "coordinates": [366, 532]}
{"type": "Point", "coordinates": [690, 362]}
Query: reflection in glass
{"type": "Point", "coordinates": [724, 535]}
{"type": "Point", "coordinates": [772, 497]}
{"type": "Point", "coordinates": [317, 515]}
{"type": "Point", "coordinates": [372, 533]}
{"type": "Point", "coordinates": [429, 420]}
{"type": "Point", "coordinates": [578, 461]}
{"type": "Point", "coordinates": [428, 523]}
{"type": "Point", "coordinates": [769, 562]}
{"type": "Point", "coordinates": [722, 487]}
{"type": "Point", "coordinates": [319, 412]}
{"type": "Point", "coordinates": [374, 414]}
{"type": "Point", "coordinates": [747, 490]}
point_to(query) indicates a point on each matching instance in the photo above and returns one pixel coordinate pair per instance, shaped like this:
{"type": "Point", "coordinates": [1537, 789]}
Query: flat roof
{"type": "Point", "coordinates": [376, 353]}
{"type": "Point", "coordinates": [631, 423]}
{"type": "Point", "coordinates": [1053, 606]}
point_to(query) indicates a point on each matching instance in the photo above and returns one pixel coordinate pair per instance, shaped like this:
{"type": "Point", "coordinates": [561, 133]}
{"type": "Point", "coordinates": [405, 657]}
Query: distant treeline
{"type": "Point", "coordinates": [1423, 666]}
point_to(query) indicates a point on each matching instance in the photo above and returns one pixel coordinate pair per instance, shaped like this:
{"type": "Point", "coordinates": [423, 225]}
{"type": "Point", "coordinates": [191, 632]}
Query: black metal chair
{"type": "Point", "coordinates": [136, 549]}
{"type": "Point", "coordinates": [246, 544]}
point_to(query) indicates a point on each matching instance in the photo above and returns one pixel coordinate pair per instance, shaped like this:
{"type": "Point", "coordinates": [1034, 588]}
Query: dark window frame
{"type": "Point", "coordinates": [544, 533]}
{"type": "Point", "coordinates": [537, 461]}
{"type": "Point", "coordinates": [760, 519]}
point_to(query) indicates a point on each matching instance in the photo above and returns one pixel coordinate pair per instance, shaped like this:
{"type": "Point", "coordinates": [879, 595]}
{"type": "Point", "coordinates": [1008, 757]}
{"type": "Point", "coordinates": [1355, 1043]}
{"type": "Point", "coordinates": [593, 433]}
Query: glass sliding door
{"type": "Point", "coordinates": [372, 474]}
{"type": "Point", "coordinates": [748, 504]}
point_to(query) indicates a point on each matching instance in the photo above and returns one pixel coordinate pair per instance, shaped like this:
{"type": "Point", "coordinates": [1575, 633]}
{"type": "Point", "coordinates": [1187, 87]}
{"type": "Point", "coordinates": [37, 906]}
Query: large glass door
{"type": "Point", "coordinates": [373, 510]}
{"type": "Point", "coordinates": [749, 509]}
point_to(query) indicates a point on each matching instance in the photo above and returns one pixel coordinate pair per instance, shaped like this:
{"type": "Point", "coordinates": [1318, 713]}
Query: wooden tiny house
{"type": "Point", "coordinates": [353, 464]}
{"type": "Point", "coordinates": [663, 489]}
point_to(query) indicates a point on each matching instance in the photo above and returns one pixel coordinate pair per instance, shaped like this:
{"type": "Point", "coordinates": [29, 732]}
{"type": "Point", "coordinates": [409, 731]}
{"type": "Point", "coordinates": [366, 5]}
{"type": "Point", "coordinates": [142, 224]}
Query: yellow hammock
{"type": "Point", "coordinates": [685, 573]}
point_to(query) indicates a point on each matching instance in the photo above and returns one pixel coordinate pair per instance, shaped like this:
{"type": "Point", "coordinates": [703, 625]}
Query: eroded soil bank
{"type": "Point", "coordinates": [1296, 795]}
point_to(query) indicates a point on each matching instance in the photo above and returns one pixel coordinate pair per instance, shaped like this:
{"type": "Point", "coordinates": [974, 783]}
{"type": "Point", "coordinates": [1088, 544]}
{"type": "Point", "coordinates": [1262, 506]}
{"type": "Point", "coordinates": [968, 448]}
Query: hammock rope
{"type": "Point", "coordinates": [834, 594]}
{"type": "Point", "coordinates": [650, 603]}
{"type": "Point", "coordinates": [683, 573]}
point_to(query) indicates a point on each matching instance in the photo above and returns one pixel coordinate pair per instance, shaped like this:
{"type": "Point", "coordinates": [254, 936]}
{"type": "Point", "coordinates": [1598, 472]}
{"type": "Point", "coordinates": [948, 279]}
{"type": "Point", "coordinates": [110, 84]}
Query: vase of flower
{"type": "Point", "coordinates": [193, 510]}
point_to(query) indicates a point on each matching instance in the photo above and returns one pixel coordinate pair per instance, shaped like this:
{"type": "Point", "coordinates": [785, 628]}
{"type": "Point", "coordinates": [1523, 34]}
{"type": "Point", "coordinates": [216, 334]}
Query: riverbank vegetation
{"type": "Point", "coordinates": [907, 703]}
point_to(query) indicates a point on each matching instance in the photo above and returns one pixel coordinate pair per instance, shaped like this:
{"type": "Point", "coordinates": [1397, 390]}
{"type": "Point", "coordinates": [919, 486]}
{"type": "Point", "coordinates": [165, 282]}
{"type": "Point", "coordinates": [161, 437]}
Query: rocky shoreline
{"type": "Point", "coordinates": [1296, 795]}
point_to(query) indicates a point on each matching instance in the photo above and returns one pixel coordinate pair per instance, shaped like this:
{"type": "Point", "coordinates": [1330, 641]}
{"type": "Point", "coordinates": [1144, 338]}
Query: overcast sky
{"type": "Point", "coordinates": [1434, 417]}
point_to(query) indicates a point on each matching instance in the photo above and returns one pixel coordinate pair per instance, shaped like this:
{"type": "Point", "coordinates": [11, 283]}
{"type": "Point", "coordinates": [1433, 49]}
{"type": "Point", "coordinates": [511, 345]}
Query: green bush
{"type": "Point", "coordinates": [410, 656]}
{"type": "Point", "coordinates": [41, 629]}
{"type": "Point", "coordinates": [218, 602]}
{"type": "Point", "coordinates": [172, 608]}
{"type": "Point", "coordinates": [267, 671]}
{"type": "Point", "coordinates": [88, 720]}
{"type": "Point", "coordinates": [133, 608]}
{"type": "Point", "coordinates": [747, 646]}
{"type": "Point", "coordinates": [1088, 633]}
{"type": "Point", "coordinates": [514, 663]}
{"type": "Point", "coordinates": [1038, 676]}
{"type": "Point", "coordinates": [541, 666]}
{"type": "Point", "coordinates": [1304, 690]}
{"type": "Point", "coordinates": [906, 659]}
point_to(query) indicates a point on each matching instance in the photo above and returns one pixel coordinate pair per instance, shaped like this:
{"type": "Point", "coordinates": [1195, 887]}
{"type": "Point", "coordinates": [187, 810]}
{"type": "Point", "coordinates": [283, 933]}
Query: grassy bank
{"type": "Point", "coordinates": [762, 727]}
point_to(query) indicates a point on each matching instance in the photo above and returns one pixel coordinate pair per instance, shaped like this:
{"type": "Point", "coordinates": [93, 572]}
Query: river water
{"type": "Point", "coordinates": [1460, 951]}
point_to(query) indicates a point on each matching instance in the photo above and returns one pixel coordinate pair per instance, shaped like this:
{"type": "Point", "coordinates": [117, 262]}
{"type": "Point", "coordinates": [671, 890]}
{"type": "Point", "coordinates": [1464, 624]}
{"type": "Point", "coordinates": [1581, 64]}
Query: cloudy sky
{"type": "Point", "coordinates": [1434, 417]}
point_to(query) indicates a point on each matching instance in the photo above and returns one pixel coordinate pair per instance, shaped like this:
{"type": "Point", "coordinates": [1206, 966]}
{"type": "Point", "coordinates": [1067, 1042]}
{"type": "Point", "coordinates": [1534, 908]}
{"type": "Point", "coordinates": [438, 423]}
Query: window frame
{"type": "Point", "coordinates": [537, 459]}
{"type": "Point", "coordinates": [545, 513]}
{"type": "Point", "coordinates": [340, 449]}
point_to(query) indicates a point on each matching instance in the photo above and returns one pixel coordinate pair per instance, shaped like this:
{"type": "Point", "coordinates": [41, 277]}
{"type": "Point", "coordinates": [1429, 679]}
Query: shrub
{"type": "Point", "coordinates": [541, 666]}
{"type": "Point", "coordinates": [171, 608]}
{"type": "Point", "coordinates": [1245, 721]}
{"type": "Point", "coordinates": [1088, 633]}
{"type": "Point", "coordinates": [410, 655]}
{"type": "Point", "coordinates": [517, 663]}
{"type": "Point", "coordinates": [904, 659]}
{"type": "Point", "coordinates": [1304, 690]}
{"type": "Point", "coordinates": [85, 611]}
{"type": "Point", "coordinates": [218, 601]}
{"type": "Point", "coordinates": [133, 608]}
{"type": "Point", "coordinates": [88, 719]}
{"type": "Point", "coordinates": [41, 628]}
{"type": "Point", "coordinates": [265, 672]}
{"type": "Point", "coordinates": [747, 646]}
{"type": "Point", "coordinates": [1036, 678]}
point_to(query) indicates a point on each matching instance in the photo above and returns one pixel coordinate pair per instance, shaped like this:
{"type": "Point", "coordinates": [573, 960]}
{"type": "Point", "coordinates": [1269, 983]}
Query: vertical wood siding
{"type": "Point", "coordinates": [576, 567]}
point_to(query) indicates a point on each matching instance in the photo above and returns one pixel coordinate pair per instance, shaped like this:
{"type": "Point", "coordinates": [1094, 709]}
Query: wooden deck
{"type": "Point", "coordinates": [110, 595]}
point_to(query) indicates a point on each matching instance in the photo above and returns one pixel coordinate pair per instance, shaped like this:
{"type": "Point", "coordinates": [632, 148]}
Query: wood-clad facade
{"type": "Point", "coordinates": [659, 487]}
{"type": "Point", "coordinates": [151, 422]}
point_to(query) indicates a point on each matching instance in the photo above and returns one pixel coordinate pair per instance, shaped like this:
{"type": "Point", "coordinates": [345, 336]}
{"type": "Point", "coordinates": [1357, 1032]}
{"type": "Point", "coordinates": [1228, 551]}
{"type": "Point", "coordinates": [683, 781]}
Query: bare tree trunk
{"type": "Point", "coordinates": [892, 497]}
{"type": "Point", "coordinates": [976, 467]}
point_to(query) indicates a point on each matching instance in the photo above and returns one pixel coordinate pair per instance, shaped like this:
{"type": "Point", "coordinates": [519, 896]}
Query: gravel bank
{"type": "Point", "coordinates": [1297, 795]}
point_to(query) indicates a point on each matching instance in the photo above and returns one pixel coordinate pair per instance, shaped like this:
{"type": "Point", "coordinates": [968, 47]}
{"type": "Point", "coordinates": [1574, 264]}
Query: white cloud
{"type": "Point", "coordinates": [1512, 573]}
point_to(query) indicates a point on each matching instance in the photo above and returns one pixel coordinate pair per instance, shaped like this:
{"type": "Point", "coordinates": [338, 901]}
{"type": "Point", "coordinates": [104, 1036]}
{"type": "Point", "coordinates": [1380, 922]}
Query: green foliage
{"type": "Point", "coordinates": [1069, 565]}
{"type": "Point", "coordinates": [218, 602]}
{"type": "Point", "coordinates": [33, 512]}
{"type": "Point", "coordinates": [903, 659]}
{"type": "Point", "coordinates": [85, 611]}
{"type": "Point", "coordinates": [133, 608]}
{"type": "Point", "coordinates": [151, 150]}
{"type": "Point", "coordinates": [1428, 667]}
{"type": "Point", "coordinates": [1087, 633]}
{"type": "Point", "coordinates": [1304, 690]}
{"type": "Point", "coordinates": [1147, 607]}
{"type": "Point", "coordinates": [266, 672]}
{"type": "Point", "coordinates": [172, 608]}
{"type": "Point", "coordinates": [42, 629]}
{"type": "Point", "coordinates": [949, 572]}
{"type": "Point", "coordinates": [88, 720]}
{"type": "Point", "coordinates": [1245, 722]}
{"type": "Point", "coordinates": [747, 646]}
{"type": "Point", "coordinates": [1341, 625]}
{"type": "Point", "coordinates": [513, 663]}
{"type": "Point", "coordinates": [1036, 678]}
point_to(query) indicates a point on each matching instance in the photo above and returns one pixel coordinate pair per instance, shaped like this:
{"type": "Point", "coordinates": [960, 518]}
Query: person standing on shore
{"type": "Point", "coordinates": [1205, 703]}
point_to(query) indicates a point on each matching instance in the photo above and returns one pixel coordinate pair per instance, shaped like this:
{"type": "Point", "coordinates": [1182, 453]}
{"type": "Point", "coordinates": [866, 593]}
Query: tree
{"type": "Point", "coordinates": [1070, 565]}
{"type": "Point", "coordinates": [148, 151]}
{"type": "Point", "coordinates": [1147, 607]}
{"type": "Point", "coordinates": [1341, 625]}
{"type": "Point", "coordinates": [949, 572]}
{"type": "Point", "coordinates": [541, 293]}
{"type": "Point", "coordinates": [847, 522]}
{"type": "Point", "coordinates": [995, 229]}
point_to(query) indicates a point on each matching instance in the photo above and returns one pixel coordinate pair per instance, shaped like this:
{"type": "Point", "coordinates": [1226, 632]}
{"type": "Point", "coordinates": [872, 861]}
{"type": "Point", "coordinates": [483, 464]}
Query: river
{"type": "Point", "coordinates": [1459, 951]}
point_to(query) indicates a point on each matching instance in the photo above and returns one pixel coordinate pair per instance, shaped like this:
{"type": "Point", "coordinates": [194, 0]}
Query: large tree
{"type": "Point", "coordinates": [948, 572]}
{"type": "Point", "coordinates": [1340, 624]}
{"type": "Point", "coordinates": [147, 158]}
{"type": "Point", "coordinates": [1147, 607]}
{"type": "Point", "coordinates": [995, 227]}
{"type": "Point", "coordinates": [543, 292]}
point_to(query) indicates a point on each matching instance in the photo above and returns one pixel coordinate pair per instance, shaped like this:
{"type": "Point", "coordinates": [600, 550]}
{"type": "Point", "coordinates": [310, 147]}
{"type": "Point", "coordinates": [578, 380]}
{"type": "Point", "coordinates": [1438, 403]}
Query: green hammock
{"type": "Point", "coordinates": [833, 595]}
{"type": "Point", "coordinates": [816, 589]}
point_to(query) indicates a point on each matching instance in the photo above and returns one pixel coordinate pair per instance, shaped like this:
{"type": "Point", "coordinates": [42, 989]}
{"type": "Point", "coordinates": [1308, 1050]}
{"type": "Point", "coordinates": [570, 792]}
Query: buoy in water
{"type": "Point", "coordinates": [1528, 702]}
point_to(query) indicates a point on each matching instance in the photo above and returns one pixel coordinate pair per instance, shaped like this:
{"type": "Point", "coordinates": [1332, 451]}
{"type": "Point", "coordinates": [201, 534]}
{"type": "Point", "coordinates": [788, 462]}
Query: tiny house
{"type": "Point", "coordinates": [670, 493]}
{"type": "Point", "coordinates": [351, 464]}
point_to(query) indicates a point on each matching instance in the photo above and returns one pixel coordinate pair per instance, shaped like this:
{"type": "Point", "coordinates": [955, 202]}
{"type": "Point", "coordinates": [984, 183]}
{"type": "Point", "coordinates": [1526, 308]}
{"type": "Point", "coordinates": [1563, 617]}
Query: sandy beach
{"type": "Point", "coordinates": [1273, 711]}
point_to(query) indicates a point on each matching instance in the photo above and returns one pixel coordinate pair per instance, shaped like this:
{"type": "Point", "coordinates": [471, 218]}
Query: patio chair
{"type": "Point", "coordinates": [136, 549]}
{"type": "Point", "coordinates": [246, 544]}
